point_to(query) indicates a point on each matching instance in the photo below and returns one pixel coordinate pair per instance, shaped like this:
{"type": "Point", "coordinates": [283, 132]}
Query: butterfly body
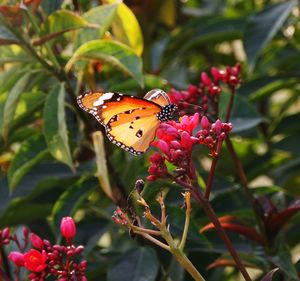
{"type": "Point", "coordinates": [130, 122]}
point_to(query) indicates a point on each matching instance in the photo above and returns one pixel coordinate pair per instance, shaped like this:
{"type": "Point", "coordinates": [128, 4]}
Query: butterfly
{"type": "Point", "coordinates": [130, 122]}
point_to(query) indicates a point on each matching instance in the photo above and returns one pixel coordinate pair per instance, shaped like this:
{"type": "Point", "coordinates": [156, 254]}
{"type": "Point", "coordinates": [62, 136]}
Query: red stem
{"type": "Point", "coordinates": [204, 203]}
{"type": "Point", "coordinates": [230, 105]}
{"type": "Point", "coordinates": [213, 169]}
{"type": "Point", "coordinates": [240, 169]}
{"type": "Point", "coordinates": [6, 275]}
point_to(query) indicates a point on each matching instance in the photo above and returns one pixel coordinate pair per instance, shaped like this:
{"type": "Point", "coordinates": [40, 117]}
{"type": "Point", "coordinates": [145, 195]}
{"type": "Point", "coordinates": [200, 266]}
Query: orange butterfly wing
{"type": "Point", "coordinates": [135, 131]}
{"type": "Point", "coordinates": [130, 122]}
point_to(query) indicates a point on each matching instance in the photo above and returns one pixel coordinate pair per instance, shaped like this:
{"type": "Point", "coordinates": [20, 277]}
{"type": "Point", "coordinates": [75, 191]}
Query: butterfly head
{"type": "Point", "coordinates": [166, 113]}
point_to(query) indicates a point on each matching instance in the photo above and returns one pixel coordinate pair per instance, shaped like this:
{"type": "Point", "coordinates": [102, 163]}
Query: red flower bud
{"type": "Point", "coordinates": [205, 124]}
{"type": "Point", "coordinates": [205, 79]}
{"type": "Point", "coordinates": [67, 228]}
{"type": "Point", "coordinates": [17, 258]}
{"type": "Point", "coordinates": [163, 146]}
{"type": "Point", "coordinates": [35, 260]}
{"type": "Point", "coordinates": [192, 89]}
{"type": "Point", "coordinates": [217, 127]}
{"type": "Point", "coordinates": [5, 233]}
{"type": "Point", "coordinates": [25, 232]}
{"type": "Point", "coordinates": [36, 241]}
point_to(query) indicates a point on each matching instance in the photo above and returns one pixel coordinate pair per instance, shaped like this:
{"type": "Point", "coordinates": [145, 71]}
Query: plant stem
{"type": "Point", "coordinates": [180, 256]}
{"type": "Point", "coordinates": [204, 203]}
{"type": "Point", "coordinates": [213, 169]}
{"type": "Point", "coordinates": [37, 30]}
{"type": "Point", "coordinates": [230, 105]}
{"type": "Point", "coordinates": [240, 170]}
{"type": "Point", "coordinates": [3, 261]}
{"type": "Point", "coordinates": [187, 221]}
{"type": "Point", "coordinates": [214, 219]}
{"type": "Point", "coordinates": [153, 240]}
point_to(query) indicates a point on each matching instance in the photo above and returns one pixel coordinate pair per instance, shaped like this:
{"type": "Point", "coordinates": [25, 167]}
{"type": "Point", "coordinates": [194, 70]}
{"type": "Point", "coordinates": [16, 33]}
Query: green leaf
{"type": "Point", "coordinates": [28, 109]}
{"type": "Point", "coordinates": [111, 52]}
{"type": "Point", "coordinates": [244, 116]}
{"type": "Point", "coordinates": [289, 125]}
{"type": "Point", "coordinates": [269, 275]}
{"type": "Point", "coordinates": [126, 28]}
{"type": "Point", "coordinates": [20, 211]}
{"type": "Point", "coordinates": [267, 85]}
{"type": "Point", "coordinates": [55, 128]}
{"type": "Point", "coordinates": [60, 22]}
{"type": "Point", "coordinates": [102, 171]}
{"type": "Point", "coordinates": [51, 6]}
{"type": "Point", "coordinates": [151, 82]}
{"type": "Point", "coordinates": [135, 265]}
{"type": "Point", "coordinates": [102, 17]}
{"type": "Point", "coordinates": [289, 144]}
{"type": "Point", "coordinates": [202, 32]}
{"type": "Point", "coordinates": [31, 152]}
{"type": "Point", "coordinates": [284, 261]}
{"type": "Point", "coordinates": [68, 203]}
{"type": "Point", "coordinates": [6, 37]}
{"type": "Point", "coordinates": [12, 102]}
{"type": "Point", "coordinates": [263, 26]}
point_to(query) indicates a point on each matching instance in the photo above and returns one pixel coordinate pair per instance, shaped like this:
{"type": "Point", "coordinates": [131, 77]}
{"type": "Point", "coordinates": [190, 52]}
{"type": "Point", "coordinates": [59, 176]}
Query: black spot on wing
{"type": "Point", "coordinates": [139, 133]}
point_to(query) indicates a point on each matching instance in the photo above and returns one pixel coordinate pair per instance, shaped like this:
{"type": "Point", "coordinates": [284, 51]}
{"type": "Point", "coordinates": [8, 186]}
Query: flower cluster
{"type": "Point", "coordinates": [176, 141]}
{"type": "Point", "coordinates": [46, 259]}
{"type": "Point", "coordinates": [206, 94]}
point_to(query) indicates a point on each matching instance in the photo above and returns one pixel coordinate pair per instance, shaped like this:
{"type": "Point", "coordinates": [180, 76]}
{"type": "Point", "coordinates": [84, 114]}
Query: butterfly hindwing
{"type": "Point", "coordinates": [133, 132]}
{"type": "Point", "coordinates": [158, 96]}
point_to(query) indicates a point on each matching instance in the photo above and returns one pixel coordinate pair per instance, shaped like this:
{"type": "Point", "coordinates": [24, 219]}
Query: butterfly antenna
{"type": "Point", "coordinates": [187, 103]}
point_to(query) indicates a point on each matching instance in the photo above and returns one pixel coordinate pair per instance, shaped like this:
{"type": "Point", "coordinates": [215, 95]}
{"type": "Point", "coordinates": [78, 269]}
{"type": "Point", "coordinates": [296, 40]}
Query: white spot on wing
{"type": "Point", "coordinates": [103, 98]}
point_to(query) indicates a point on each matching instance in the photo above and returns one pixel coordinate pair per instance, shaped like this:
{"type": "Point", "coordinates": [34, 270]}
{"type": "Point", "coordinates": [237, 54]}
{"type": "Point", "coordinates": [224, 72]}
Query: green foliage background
{"type": "Point", "coordinates": [52, 167]}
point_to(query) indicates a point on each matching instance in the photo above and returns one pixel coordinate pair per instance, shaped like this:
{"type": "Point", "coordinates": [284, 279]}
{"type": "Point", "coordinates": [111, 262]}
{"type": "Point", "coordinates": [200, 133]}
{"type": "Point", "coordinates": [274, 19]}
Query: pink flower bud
{"type": "Point", "coordinates": [5, 232]}
{"type": "Point", "coordinates": [151, 178]}
{"type": "Point", "coordinates": [36, 241]}
{"type": "Point", "coordinates": [175, 144]}
{"type": "Point", "coordinates": [222, 136]}
{"type": "Point", "coordinates": [214, 89]}
{"type": "Point", "coordinates": [205, 107]}
{"type": "Point", "coordinates": [208, 140]}
{"type": "Point", "coordinates": [17, 258]}
{"type": "Point", "coordinates": [192, 89]}
{"type": "Point", "coordinates": [227, 127]}
{"type": "Point", "coordinates": [186, 141]}
{"type": "Point", "coordinates": [205, 79]}
{"type": "Point", "coordinates": [217, 127]}
{"type": "Point", "coordinates": [205, 124]}
{"type": "Point", "coordinates": [25, 232]}
{"type": "Point", "coordinates": [218, 74]}
{"type": "Point", "coordinates": [194, 121]}
{"type": "Point", "coordinates": [67, 228]}
{"type": "Point", "coordinates": [163, 146]}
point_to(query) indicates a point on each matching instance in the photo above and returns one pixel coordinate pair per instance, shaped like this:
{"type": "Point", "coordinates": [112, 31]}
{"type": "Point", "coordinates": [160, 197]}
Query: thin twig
{"type": "Point", "coordinates": [230, 105]}
{"type": "Point", "coordinates": [187, 197]}
{"type": "Point", "coordinates": [213, 169]}
{"type": "Point", "coordinates": [204, 203]}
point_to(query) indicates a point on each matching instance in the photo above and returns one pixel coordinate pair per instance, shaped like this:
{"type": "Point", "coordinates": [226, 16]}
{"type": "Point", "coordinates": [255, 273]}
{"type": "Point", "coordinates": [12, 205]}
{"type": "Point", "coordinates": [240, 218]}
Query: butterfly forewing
{"type": "Point", "coordinates": [106, 105]}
